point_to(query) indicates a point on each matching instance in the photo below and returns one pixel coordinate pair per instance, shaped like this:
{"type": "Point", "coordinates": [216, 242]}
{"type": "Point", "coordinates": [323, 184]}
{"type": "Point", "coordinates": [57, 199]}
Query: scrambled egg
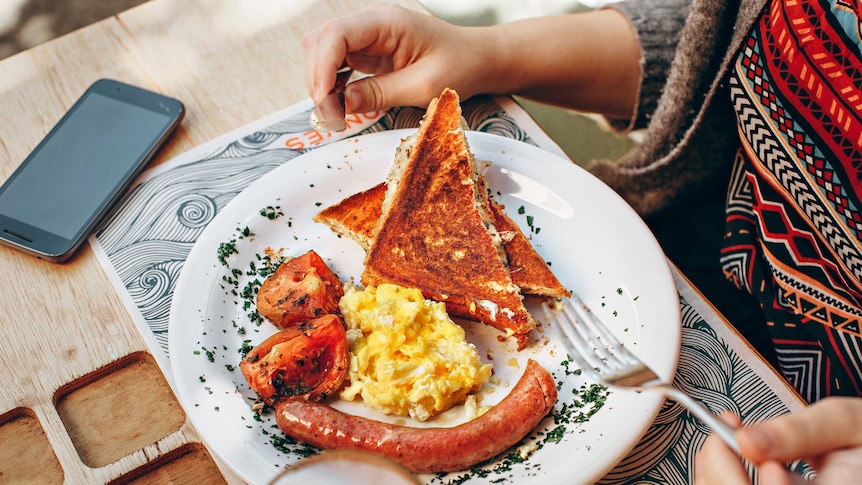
{"type": "Point", "coordinates": [407, 357]}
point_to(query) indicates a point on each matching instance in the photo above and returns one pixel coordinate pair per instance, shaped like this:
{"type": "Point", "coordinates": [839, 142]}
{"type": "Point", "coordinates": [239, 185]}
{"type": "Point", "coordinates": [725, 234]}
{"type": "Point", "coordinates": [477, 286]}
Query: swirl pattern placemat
{"type": "Point", "coordinates": [144, 243]}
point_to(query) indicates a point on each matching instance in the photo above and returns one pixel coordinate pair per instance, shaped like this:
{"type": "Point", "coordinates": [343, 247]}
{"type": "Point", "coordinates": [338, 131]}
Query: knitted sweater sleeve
{"type": "Point", "coordinates": [657, 25]}
{"type": "Point", "coordinates": [690, 127]}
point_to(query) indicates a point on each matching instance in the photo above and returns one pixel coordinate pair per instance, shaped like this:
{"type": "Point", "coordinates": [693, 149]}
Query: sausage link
{"type": "Point", "coordinates": [427, 450]}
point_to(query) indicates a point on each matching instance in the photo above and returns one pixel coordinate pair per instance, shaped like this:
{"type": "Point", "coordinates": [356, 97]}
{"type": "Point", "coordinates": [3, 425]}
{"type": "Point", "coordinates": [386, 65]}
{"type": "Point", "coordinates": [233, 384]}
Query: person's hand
{"type": "Point", "coordinates": [827, 434]}
{"type": "Point", "coordinates": [412, 55]}
{"type": "Point", "coordinates": [588, 61]}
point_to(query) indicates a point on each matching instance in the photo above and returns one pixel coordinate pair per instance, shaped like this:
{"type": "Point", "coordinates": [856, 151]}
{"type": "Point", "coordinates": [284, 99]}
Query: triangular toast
{"type": "Point", "coordinates": [356, 217]}
{"type": "Point", "coordinates": [435, 233]}
{"type": "Point", "coordinates": [528, 270]}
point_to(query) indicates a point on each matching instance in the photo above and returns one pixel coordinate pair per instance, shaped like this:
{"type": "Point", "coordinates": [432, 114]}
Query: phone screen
{"type": "Point", "coordinates": [72, 175]}
{"type": "Point", "coordinates": [75, 170]}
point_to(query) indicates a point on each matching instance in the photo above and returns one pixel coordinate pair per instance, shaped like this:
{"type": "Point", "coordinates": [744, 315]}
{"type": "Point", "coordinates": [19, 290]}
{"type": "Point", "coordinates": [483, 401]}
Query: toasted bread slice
{"type": "Point", "coordinates": [356, 217]}
{"type": "Point", "coordinates": [529, 271]}
{"type": "Point", "coordinates": [435, 234]}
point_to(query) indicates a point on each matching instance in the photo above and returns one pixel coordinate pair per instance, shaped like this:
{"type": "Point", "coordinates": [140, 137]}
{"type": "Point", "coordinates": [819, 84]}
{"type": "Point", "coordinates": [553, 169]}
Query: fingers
{"type": "Point", "coordinates": [827, 434]}
{"type": "Point", "coordinates": [394, 89]}
{"type": "Point", "coordinates": [366, 40]}
{"type": "Point", "coordinates": [831, 424]}
{"type": "Point", "coordinates": [716, 464]}
{"type": "Point", "coordinates": [412, 56]}
{"type": "Point", "coordinates": [774, 473]}
{"type": "Point", "coordinates": [323, 55]}
{"type": "Point", "coordinates": [324, 51]}
{"type": "Point", "coordinates": [843, 466]}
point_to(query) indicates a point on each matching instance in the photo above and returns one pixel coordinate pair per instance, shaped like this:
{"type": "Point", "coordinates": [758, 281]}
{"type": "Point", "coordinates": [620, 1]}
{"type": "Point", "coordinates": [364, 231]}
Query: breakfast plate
{"type": "Point", "coordinates": [596, 245]}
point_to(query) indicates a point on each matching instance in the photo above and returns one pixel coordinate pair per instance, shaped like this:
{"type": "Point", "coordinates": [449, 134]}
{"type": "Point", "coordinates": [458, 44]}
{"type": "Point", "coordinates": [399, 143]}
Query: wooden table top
{"type": "Point", "coordinates": [73, 362]}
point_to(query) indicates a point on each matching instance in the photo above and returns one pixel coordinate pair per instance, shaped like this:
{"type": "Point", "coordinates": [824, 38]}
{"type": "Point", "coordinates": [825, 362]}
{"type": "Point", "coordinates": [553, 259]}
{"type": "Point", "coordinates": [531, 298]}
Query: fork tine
{"type": "Point", "coordinates": [616, 353]}
{"type": "Point", "coordinates": [588, 342]}
{"type": "Point", "coordinates": [585, 347]}
{"type": "Point", "coordinates": [576, 346]}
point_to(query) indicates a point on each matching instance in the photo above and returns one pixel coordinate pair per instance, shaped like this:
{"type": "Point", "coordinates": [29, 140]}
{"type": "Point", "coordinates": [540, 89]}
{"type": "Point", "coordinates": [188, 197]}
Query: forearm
{"type": "Point", "coordinates": [588, 62]}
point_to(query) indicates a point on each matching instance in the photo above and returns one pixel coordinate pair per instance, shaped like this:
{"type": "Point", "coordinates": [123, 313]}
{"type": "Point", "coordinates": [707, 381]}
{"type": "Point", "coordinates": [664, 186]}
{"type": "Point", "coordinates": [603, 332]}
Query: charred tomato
{"type": "Point", "coordinates": [309, 360]}
{"type": "Point", "coordinates": [301, 288]}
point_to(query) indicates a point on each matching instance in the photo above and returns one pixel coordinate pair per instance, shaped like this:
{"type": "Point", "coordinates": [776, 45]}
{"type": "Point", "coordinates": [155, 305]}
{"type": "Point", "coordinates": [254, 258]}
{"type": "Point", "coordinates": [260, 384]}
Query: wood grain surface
{"type": "Point", "coordinates": [68, 340]}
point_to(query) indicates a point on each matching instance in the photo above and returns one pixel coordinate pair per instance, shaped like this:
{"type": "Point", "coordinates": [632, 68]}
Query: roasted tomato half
{"type": "Point", "coordinates": [300, 289]}
{"type": "Point", "coordinates": [310, 360]}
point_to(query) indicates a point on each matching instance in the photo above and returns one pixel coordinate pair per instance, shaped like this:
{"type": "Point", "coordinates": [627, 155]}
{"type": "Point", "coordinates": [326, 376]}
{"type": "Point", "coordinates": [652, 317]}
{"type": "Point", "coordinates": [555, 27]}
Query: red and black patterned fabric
{"type": "Point", "coordinates": [794, 206]}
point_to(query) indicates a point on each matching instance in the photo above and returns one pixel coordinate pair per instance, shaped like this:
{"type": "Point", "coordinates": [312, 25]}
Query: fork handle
{"type": "Point", "coordinates": [722, 429]}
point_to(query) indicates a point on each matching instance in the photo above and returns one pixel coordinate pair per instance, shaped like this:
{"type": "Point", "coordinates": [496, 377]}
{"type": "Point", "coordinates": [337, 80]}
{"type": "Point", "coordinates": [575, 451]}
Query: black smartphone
{"type": "Point", "coordinates": [60, 192]}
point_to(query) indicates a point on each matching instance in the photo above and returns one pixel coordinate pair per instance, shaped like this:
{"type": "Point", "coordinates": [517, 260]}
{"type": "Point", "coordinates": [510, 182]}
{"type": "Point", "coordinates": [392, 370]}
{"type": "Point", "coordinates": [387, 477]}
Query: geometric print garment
{"type": "Point", "coordinates": [794, 207]}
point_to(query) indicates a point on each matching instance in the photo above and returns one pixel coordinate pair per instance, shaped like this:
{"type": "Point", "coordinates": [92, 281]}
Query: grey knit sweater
{"type": "Point", "coordinates": [691, 132]}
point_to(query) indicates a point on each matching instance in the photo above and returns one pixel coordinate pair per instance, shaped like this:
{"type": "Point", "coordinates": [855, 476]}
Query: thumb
{"type": "Point", "coordinates": [375, 93]}
{"type": "Point", "coordinates": [830, 424]}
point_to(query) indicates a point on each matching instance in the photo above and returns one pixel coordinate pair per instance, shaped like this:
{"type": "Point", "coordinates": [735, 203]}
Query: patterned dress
{"type": "Point", "coordinates": [794, 219]}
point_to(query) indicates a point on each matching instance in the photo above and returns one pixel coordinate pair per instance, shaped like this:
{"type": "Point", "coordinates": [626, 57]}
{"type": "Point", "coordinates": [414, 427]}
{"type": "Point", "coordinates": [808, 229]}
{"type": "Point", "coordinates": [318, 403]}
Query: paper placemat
{"type": "Point", "coordinates": [144, 242]}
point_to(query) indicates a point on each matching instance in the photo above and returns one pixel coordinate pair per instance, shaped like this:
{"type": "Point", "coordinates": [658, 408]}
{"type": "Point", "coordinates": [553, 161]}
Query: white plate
{"type": "Point", "coordinates": [597, 246]}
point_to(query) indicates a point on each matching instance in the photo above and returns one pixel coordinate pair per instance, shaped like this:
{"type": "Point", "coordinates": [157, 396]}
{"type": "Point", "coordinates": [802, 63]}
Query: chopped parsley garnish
{"type": "Point", "coordinates": [225, 249]}
{"type": "Point", "coordinates": [271, 212]}
{"type": "Point", "coordinates": [209, 353]}
{"type": "Point", "coordinates": [245, 348]}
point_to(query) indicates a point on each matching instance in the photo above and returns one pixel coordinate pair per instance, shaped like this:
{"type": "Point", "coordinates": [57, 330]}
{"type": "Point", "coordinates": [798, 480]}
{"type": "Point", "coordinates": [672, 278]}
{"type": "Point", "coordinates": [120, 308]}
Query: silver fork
{"type": "Point", "coordinates": [604, 359]}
